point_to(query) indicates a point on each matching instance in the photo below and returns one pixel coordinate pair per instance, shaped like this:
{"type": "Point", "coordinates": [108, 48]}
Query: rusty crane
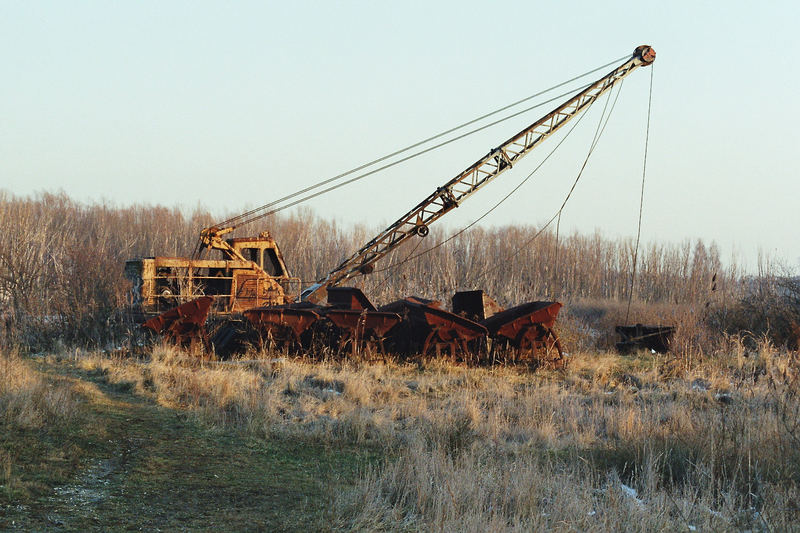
{"type": "Point", "coordinates": [251, 279]}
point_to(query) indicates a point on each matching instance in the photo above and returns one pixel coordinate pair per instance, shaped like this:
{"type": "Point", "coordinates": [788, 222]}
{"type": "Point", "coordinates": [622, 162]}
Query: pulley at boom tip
{"type": "Point", "coordinates": [646, 53]}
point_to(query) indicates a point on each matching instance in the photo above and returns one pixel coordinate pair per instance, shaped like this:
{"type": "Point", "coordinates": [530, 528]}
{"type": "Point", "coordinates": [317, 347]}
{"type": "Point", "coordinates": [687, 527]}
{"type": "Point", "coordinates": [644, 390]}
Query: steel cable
{"type": "Point", "coordinates": [641, 197]}
{"type": "Point", "coordinates": [592, 145]}
{"type": "Point", "coordinates": [404, 159]}
{"type": "Point", "coordinates": [495, 206]}
{"type": "Point", "coordinates": [596, 138]}
{"type": "Point", "coordinates": [566, 199]}
{"type": "Point", "coordinates": [264, 210]}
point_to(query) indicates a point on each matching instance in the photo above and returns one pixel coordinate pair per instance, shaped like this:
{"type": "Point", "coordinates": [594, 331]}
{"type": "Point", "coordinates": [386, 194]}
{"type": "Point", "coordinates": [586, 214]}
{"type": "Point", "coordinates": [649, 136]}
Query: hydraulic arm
{"type": "Point", "coordinates": [454, 192]}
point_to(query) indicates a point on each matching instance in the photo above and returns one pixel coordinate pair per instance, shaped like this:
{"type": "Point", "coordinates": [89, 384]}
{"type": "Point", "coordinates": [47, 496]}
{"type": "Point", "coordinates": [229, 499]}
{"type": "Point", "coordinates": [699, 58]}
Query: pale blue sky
{"type": "Point", "coordinates": [231, 105]}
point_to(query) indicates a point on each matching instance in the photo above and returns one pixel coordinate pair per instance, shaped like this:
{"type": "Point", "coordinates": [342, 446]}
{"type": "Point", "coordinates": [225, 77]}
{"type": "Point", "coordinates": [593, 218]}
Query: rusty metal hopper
{"type": "Point", "coordinates": [362, 329]}
{"type": "Point", "coordinates": [426, 328]}
{"type": "Point", "coordinates": [359, 324]}
{"type": "Point", "coordinates": [283, 323]}
{"type": "Point", "coordinates": [349, 298]}
{"type": "Point", "coordinates": [183, 324]}
{"type": "Point", "coordinates": [528, 330]}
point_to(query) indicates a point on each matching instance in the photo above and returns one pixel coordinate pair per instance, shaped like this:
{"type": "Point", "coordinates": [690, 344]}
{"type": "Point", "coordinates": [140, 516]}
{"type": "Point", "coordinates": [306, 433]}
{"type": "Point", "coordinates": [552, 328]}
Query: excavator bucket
{"type": "Point", "coordinates": [183, 324]}
{"type": "Point", "coordinates": [527, 330]}
{"type": "Point", "coordinates": [427, 329]}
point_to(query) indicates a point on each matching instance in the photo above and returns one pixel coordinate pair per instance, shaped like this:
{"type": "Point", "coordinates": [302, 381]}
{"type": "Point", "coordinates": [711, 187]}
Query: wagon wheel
{"type": "Point", "coordinates": [223, 341]}
{"type": "Point", "coordinates": [468, 356]}
{"type": "Point", "coordinates": [426, 346]}
{"type": "Point", "coordinates": [282, 336]}
{"type": "Point", "coordinates": [501, 352]}
{"type": "Point", "coordinates": [540, 347]}
{"type": "Point", "coordinates": [526, 344]}
{"type": "Point", "coordinates": [381, 347]}
{"type": "Point", "coordinates": [292, 340]}
{"type": "Point", "coordinates": [359, 337]}
{"type": "Point", "coordinates": [200, 343]}
{"type": "Point", "coordinates": [345, 339]}
{"type": "Point", "coordinates": [551, 341]}
{"type": "Point", "coordinates": [433, 345]}
{"type": "Point", "coordinates": [372, 348]}
{"type": "Point", "coordinates": [371, 345]}
{"type": "Point", "coordinates": [192, 336]}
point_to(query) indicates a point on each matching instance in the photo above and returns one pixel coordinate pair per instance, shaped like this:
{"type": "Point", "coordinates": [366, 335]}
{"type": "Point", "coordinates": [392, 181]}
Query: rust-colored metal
{"type": "Point", "coordinates": [401, 306]}
{"type": "Point", "coordinates": [185, 323]}
{"type": "Point", "coordinates": [349, 298]}
{"type": "Point", "coordinates": [475, 305]}
{"type": "Point", "coordinates": [450, 330]}
{"type": "Point", "coordinates": [284, 324]}
{"type": "Point", "coordinates": [409, 326]}
{"type": "Point", "coordinates": [528, 330]}
{"type": "Point", "coordinates": [251, 278]}
{"type": "Point", "coordinates": [362, 329]}
{"type": "Point", "coordinates": [656, 338]}
{"type": "Point", "coordinates": [427, 328]}
{"type": "Point", "coordinates": [359, 324]}
{"type": "Point", "coordinates": [646, 53]}
{"type": "Point", "coordinates": [250, 273]}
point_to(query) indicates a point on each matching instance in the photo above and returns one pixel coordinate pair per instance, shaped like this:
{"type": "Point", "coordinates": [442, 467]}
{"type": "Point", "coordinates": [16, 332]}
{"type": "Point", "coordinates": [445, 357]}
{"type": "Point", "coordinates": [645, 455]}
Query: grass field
{"type": "Point", "coordinates": [640, 443]}
{"type": "Point", "coordinates": [83, 452]}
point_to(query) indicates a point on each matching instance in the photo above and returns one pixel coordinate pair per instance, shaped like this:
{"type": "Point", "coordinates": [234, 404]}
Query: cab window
{"type": "Point", "coordinates": [253, 254]}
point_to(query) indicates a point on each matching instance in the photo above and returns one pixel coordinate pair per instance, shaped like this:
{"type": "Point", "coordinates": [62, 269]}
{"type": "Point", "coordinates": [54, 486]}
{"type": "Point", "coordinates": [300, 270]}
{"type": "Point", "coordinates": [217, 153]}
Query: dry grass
{"type": "Point", "coordinates": [33, 410]}
{"type": "Point", "coordinates": [29, 401]}
{"type": "Point", "coordinates": [710, 444]}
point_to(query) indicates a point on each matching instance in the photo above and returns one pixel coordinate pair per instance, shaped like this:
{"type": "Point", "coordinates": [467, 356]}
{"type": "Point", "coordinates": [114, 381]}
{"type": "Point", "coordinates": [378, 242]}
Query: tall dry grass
{"type": "Point", "coordinates": [28, 400]}
{"type": "Point", "coordinates": [30, 407]}
{"type": "Point", "coordinates": [710, 444]}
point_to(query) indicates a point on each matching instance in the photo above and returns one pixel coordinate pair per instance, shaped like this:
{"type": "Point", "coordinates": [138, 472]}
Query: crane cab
{"type": "Point", "coordinates": [263, 251]}
{"type": "Point", "coordinates": [162, 283]}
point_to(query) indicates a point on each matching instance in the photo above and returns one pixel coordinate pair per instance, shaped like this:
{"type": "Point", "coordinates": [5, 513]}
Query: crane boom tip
{"type": "Point", "coordinates": [645, 53]}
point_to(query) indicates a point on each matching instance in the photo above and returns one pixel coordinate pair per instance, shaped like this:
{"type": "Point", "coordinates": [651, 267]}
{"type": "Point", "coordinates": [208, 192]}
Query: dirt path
{"type": "Point", "coordinates": [157, 469]}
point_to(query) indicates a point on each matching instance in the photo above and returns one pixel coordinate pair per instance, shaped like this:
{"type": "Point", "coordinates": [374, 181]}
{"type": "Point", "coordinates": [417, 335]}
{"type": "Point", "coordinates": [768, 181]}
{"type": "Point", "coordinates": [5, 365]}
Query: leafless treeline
{"type": "Point", "coordinates": [61, 263]}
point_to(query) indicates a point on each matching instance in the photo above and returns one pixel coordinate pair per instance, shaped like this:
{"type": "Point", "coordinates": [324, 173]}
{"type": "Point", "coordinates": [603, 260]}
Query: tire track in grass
{"type": "Point", "coordinates": [158, 469]}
